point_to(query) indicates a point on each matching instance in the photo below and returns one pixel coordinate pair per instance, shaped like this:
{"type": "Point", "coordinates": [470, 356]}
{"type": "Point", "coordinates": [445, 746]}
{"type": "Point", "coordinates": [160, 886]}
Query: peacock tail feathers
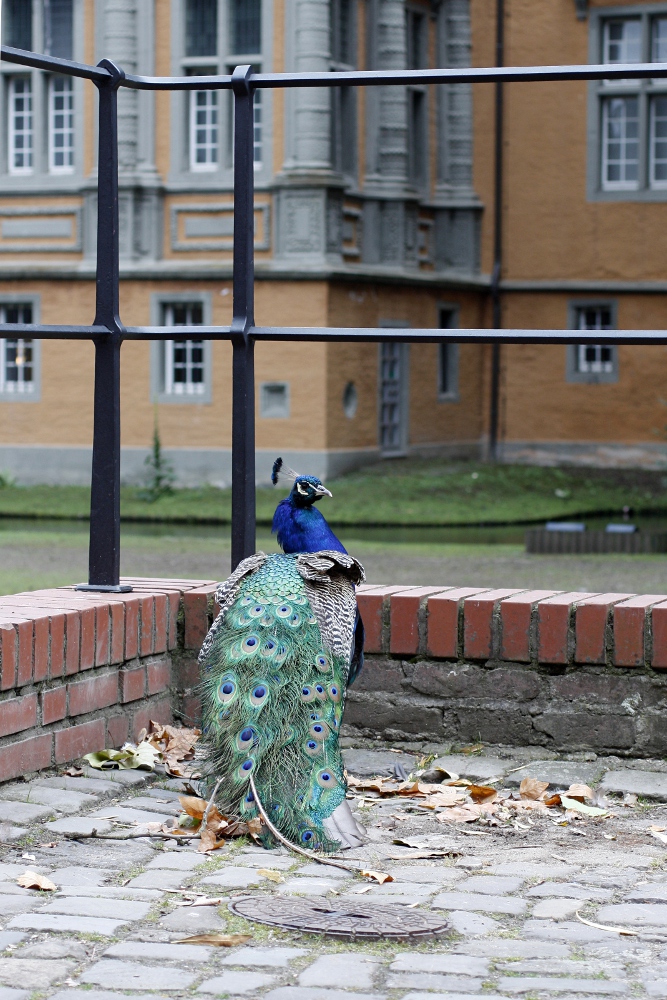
{"type": "Point", "coordinates": [275, 667]}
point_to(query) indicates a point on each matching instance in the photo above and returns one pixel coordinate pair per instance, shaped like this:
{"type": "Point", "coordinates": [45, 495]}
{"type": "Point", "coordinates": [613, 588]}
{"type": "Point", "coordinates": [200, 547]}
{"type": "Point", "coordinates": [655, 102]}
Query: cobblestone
{"type": "Point", "coordinates": [33, 973]}
{"type": "Point", "coordinates": [553, 984]}
{"type": "Point", "coordinates": [135, 976]}
{"type": "Point", "coordinates": [236, 982]}
{"type": "Point", "coordinates": [62, 800]}
{"type": "Point", "coordinates": [343, 969]}
{"type": "Point", "coordinates": [478, 901]}
{"type": "Point", "coordinates": [23, 812]}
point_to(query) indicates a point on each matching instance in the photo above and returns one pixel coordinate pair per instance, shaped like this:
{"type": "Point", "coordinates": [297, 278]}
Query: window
{"type": "Point", "coordinates": [246, 27]}
{"type": "Point", "coordinates": [182, 368]}
{"type": "Point", "coordinates": [416, 39]}
{"type": "Point", "coordinates": [20, 125]}
{"type": "Point", "coordinates": [201, 28]}
{"type": "Point", "coordinates": [274, 402]}
{"type": "Point", "coordinates": [204, 128]}
{"type": "Point", "coordinates": [631, 114]}
{"type": "Point", "coordinates": [18, 357]}
{"type": "Point", "coordinates": [17, 16]}
{"type": "Point", "coordinates": [343, 99]}
{"type": "Point", "coordinates": [592, 362]}
{"type": "Point", "coordinates": [58, 28]}
{"type": "Point", "coordinates": [448, 359]}
{"type": "Point", "coordinates": [61, 125]}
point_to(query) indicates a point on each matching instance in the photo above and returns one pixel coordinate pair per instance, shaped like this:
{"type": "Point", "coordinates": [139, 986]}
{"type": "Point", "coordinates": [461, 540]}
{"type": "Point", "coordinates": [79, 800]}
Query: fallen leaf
{"type": "Point", "coordinates": [662, 837]}
{"type": "Point", "coordinates": [217, 901]}
{"type": "Point", "coordinates": [359, 892]}
{"type": "Point", "coordinates": [209, 841]}
{"type": "Point", "coordinates": [254, 827]}
{"type": "Point", "coordinates": [474, 748]}
{"type": "Point", "coordinates": [460, 814]}
{"type": "Point", "coordinates": [579, 807]}
{"type": "Point", "coordinates": [657, 829]}
{"type": "Point", "coordinates": [31, 880]}
{"type": "Point", "coordinates": [52, 844]}
{"type": "Point", "coordinates": [623, 931]}
{"type": "Point", "coordinates": [74, 772]}
{"type": "Point", "coordinates": [482, 793]}
{"type": "Point", "coordinates": [216, 940]}
{"type": "Point", "coordinates": [553, 800]}
{"type": "Point", "coordinates": [579, 792]}
{"type": "Point", "coordinates": [379, 877]}
{"type": "Point", "coordinates": [273, 876]}
{"type": "Point", "coordinates": [629, 799]}
{"type": "Point", "coordinates": [531, 788]}
{"type": "Point", "coordinates": [193, 805]}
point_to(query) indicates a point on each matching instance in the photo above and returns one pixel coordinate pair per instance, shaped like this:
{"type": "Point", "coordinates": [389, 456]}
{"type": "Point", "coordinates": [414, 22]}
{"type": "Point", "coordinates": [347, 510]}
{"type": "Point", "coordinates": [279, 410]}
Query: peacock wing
{"type": "Point", "coordinates": [226, 594]}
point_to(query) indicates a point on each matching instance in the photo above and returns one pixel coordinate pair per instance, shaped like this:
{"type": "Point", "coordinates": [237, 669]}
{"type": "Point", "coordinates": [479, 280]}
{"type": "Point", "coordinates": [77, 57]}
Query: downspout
{"type": "Point", "coordinates": [496, 321]}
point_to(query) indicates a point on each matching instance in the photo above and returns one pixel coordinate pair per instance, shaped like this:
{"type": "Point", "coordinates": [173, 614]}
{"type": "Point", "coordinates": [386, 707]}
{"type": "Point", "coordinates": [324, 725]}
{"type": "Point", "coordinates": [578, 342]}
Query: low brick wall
{"type": "Point", "coordinates": [565, 671]}
{"type": "Point", "coordinates": [81, 671]}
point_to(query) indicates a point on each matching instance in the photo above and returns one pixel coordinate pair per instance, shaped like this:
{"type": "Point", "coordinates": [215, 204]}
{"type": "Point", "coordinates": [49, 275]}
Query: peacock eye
{"type": "Point", "coordinates": [306, 836]}
{"type": "Point", "coordinates": [247, 765]}
{"type": "Point", "coordinates": [326, 779]}
{"type": "Point", "coordinates": [258, 695]}
{"type": "Point", "coordinates": [307, 694]}
{"type": "Point", "coordinates": [250, 644]}
{"type": "Point", "coordinates": [321, 662]}
{"type": "Point", "coordinates": [334, 693]}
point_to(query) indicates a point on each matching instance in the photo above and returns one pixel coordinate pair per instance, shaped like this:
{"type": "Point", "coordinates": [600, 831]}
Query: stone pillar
{"type": "Point", "coordinates": [392, 125]}
{"type": "Point", "coordinates": [311, 140]}
{"type": "Point", "coordinates": [120, 45]}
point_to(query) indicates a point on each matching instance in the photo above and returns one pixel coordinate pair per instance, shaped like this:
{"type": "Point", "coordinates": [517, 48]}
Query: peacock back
{"type": "Point", "coordinates": [275, 667]}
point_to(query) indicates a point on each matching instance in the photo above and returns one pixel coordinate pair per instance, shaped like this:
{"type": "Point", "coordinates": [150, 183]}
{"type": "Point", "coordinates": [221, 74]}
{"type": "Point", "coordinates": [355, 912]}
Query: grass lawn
{"type": "Point", "coordinates": [409, 492]}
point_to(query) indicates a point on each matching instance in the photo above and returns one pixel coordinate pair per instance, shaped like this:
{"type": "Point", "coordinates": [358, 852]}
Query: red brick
{"type": "Point", "coordinates": [102, 615]}
{"type": "Point", "coordinates": [629, 624]}
{"type": "Point", "coordinates": [553, 622]}
{"type": "Point", "coordinates": [478, 623]}
{"type": "Point", "coordinates": [132, 684]}
{"type": "Point", "coordinates": [117, 651]}
{"type": "Point", "coordinates": [93, 693]}
{"type": "Point", "coordinates": [404, 618]}
{"type": "Point", "coordinates": [18, 714]}
{"type": "Point", "coordinates": [371, 606]}
{"type": "Point", "coordinates": [443, 621]}
{"type": "Point", "coordinates": [118, 730]}
{"type": "Point", "coordinates": [8, 651]}
{"type": "Point", "coordinates": [28, 755]}
{"type": "Point", "coordinates": [73, 635]}
{"type": "Point", "coordinates": [74, 742]}
{"type": "Point", "coordinates": [54, 705]}
{"type": "Point", "coordinates": [87, 654]}
{"type": "Point", "coordinates": [195, 607]}
{"type": "Point", "coordinates": [131, 628]}
{"type": "Point", "coordinates": [161, 616]}
{"type": "Point", "coordinates": [146, 634]}
{"type": "Point", "coordinates": [41, 664]}
{"type": "Point", "coordinates": [25, 631]}
{"type": "Point", "coordinates": [659, 632]}
{"type": "Point", "coordinates": [191, 706]}
{"type": "Point", "coordinates": [591, 623]}
{"type": "Point", "coordinates": [57, 646]}
{"type": "Point", "coordinates": [158, 676]}
{"type": "Point", "coordinates": [159, 710]}
{"type": "Point", "coordinates": [174, 608]}
{"type": "Point", "coordinates": [515, 614]}
{"type": "Point", "coordinates": [186, 670]}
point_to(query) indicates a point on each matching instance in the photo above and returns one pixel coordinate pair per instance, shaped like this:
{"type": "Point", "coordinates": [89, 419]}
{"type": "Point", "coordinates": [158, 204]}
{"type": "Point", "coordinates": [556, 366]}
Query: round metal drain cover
{"type": "Point", "coordinates": [339, 919]}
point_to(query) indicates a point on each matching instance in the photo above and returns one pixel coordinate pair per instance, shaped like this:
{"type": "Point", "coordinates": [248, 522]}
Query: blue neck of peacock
{"type": "Point", "coordinates": [303, 529]}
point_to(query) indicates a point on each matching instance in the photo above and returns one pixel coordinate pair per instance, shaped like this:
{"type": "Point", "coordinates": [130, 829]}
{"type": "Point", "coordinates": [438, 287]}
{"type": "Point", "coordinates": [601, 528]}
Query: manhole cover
{"type": "Point", "coordinates": [348, 920]}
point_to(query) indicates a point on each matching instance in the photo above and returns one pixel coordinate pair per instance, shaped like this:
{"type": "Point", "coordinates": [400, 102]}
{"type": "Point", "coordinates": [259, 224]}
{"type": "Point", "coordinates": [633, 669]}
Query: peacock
{"type": "Point", "coordinates": [276, 663]}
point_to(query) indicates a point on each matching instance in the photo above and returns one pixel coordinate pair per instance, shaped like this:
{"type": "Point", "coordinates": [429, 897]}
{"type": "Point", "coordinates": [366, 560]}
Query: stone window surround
{"type": "Point", "coordinates": [14, 298]}
{"type": "Point", "coordinates": [572, 374]}
{"type": "Point", "coordinates": [597, 90]}
{"type": "Point", "coordinates": [452, 311]}
{"type": "Point", "coordinates": [265, 403]}
{"type": "Point", "coordinates": [158, 300]}
{"type": "Point", "coordinates": [40, 178]}
{"type": "Point", "coordinates": [181, 176]}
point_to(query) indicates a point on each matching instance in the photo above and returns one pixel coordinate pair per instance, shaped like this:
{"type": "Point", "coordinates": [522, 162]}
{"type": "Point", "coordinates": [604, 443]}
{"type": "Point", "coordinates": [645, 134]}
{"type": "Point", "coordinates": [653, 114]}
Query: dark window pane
{"type": "Point", "coordinates": [18, 20]}
{"type": "Point", "coordinates": [58, 28]}
{"type": "Point", "coordinates": [196, 314]}
{"type": "Point", "coordinates": [246, 26]}
{"type": "Point", "coordinates": [201, 28]}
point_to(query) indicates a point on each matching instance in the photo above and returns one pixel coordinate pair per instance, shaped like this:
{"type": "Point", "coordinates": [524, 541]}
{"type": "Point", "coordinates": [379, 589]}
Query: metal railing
{"type": "Point", "coordinates": [108, 332]}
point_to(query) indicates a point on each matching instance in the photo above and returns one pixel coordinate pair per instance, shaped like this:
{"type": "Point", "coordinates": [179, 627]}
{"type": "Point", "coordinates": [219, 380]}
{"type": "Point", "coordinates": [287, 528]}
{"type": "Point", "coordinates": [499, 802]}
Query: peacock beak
{"type": "Point", "coordinates": [322, 491]}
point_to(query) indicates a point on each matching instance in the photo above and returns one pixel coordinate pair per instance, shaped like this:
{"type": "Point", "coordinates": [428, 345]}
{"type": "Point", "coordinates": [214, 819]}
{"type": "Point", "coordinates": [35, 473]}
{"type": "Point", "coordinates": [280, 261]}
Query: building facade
{"type": "Point", "coordinates": [372, 208]}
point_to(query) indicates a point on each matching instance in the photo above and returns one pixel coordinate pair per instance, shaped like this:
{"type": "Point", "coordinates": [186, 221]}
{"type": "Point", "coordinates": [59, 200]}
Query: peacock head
{"type": "Point", "coordinates": [306, 490]}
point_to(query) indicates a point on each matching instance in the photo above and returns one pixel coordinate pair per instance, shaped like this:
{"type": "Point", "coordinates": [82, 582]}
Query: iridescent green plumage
{"type": "Point", "coordinates": [273, 694]}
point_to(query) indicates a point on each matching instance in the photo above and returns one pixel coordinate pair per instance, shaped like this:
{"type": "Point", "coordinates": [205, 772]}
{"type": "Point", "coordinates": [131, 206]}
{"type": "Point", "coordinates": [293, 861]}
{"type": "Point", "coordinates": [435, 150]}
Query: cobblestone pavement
{"type": "Point", "coordinates": [511, 895]}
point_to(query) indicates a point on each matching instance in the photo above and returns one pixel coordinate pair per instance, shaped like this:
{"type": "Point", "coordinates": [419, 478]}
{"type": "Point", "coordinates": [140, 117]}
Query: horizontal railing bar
{"type": "Point", "coordinates": [371, 335]}
{"type": "Point", "coordinates": [472, 74]}
{"type": "Point", "coordinates": [53, 64]}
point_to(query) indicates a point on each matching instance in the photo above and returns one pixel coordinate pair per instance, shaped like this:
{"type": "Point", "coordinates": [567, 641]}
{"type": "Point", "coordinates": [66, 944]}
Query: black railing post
{"type": "Point", "coordinates": [243, 320]}
{"type": "Point", "coordinates": [104, 551]}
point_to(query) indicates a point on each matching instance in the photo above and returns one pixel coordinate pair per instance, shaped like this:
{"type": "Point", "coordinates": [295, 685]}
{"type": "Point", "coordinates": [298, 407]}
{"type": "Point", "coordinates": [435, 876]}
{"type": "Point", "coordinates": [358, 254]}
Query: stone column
{"type": "Point", "coordinates": [311, 142]}
{"type": "Point", "coordinates": [392, 125]}
{"type": "Point", "coordinates": [120, 45]}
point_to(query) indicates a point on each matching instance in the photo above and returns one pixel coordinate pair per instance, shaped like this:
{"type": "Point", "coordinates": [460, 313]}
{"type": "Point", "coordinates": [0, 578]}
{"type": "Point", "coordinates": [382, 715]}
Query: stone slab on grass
{"type": "Point", "coordinates": [564, 967]}
{"type": "Point", "coordinates": [556, 908]}
{"type": "Point", "coordinates": [128, 815]}
{"type": "Point", "coordinates": [512, 948]}
{"type": "Point", "coordinates": [76, 825]}
{"type": "Point", "coordinates": [110, 892]}
{"type": "Point", "coordinates": [346, 969]}
{"type": "Point", "coordinates": [559, 773]}
{"type": "Point", "coordinates": [10, 905]}
{"type": "Point", "coordinates": [274, 958]}
{"type": "Point", "coordinates": [473, 767]}
{"type": "Point", "coordinates": [650, 784]}
{"type": "Point", "coordinates": [471, 923]}
{"type": "Point", "coordinates": [235, 878]}
{"type": "Point", "coordinates": [136, 976]}
{"type": "Point", "coordinates": [6, 993]}
{"type": "Point", "coordinates": [171, 807]}
{"type": "Point", "coordinates": [94, 786]}
{"type": "Point", "coordinates": [478, 901]}
{"type": "Point", "coordinates": [307, 886]}
{"type": "Point", "coordinates": [528, 869]}
{"type": "Point", "coordinates": [9, 871]}
{"type": "Point", "coordinates": [574, 932]}
{"type": "Point", "coordinates": [23, 812]}
{"type": "Point", "coordinates": [63, 924]}
{"type": "Point", "coordinates": [452, 996]}
{"type": "Point", "coordinates": [10, 937]}
{"type": "Point", "coordinates": [654, 988]}
{"type": "Point", "coordinates": [159, 952]}
{"type": "Point", "coordinates": [422, 874]}
{"type": "Point", "coordinates": [10, 833]}
{"type": "Point", "coordinates": [130, 777]}
{"type": "Point", "coordinates": [179, 861]}
{"type": "Point", "coordinates": [492, 884]}
{"type": "Point", "coordinates": [100, 995]}
{"type": "Point", "coordinates": [424, 981]}
{"type": "Point", "coordinates": [54, 947]}
{"type": "Point", "coordinates": [82, 906]}
{"type": "Point", "coordinates": [33, 973]}
{"type": "Point", "coordinates": [314, 993]}
{"type": "Point", "coordinates": [634, 914]}
{"type": "Point", "coordinates": [554, 984]}
{"type": "Point", "coordinates": [158, 878]}
{"type": "Point", "coordinates": [79, 876]}
{"type": "Point", "coordinates": [267, 859]}
{"type": "Point", "coordinates": [188, 920]}
{"type": "Point", "coordinates": [571, 891]}
{"type": "Point", "coordinates": [458, 965]}
{"type": "Point", "coordinates": [368, 763]}
{"type": "Point", "coordinates": [232, 981]}
{"type": "Point", "coordinates": [655, 893]}
{"type": "Point", "coordinates": [59, 799]}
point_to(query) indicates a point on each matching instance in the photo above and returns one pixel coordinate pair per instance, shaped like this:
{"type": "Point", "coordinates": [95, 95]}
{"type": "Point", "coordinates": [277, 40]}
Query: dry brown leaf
{"type": "Point", "coordinates": [209, 841]}
{"type": "Point", "coordinates": [553, 800]}
{"type": "Point", "coordinates": [460, 782]}
{"type": "Point", "coordinates": [460, 814]}
{"type": "Point", "coordinates": [367, 785]}
{"type": "Point", "coordinates": [217, 940]}
{"type": "Point", "coordinates": [74, 772]}
{"type": "Point", "coordinates": [482, 793]}
{"type": "Point", "coordinates": [271, 874]}
{"type": "Point", "coordinates": [579, 792]}
{"type": "Point", "coordinates": [193, 806]}
{"type": "Point", "coordinates": [207, 901]}
{"type": "Point", "coordinates": [379, 877]}
{"type": "Point", "coordinates": [254, 827]}
{"type": "Point", "coordinates": [531, 788]}
{"type": "Point", "coordinates": [31, 880]}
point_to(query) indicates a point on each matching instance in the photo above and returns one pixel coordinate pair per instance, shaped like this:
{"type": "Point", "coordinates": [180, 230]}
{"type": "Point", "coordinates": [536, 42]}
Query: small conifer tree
{"type": "Point", "coordinates": [160, 472]}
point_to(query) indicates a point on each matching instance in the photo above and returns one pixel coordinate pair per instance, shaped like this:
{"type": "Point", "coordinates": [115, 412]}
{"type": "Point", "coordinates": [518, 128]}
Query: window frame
{"type": "Point", "coordinates": [643, 90]}
{"type": "Point", "coordinates": [417, 96]}
{"type": "Point", "coordinates": [448, 319]}
{"type": "Point", "coordinates": [67, 168]}
{"type": "Point", "coordinates": [158, 394]}
{"type": "Point", "coordinates": [13, 299]}
{"type": "Point", "coordinates": [572, 372]}
{"type": "Point", "coordinates": [263, 387]}
{"type": "Point", "coordinates": [344, 100]}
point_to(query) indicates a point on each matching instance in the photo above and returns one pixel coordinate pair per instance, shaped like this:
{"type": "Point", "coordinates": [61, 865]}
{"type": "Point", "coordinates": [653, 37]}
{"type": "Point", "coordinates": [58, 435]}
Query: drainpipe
{"type": "Point", "coordinates": [497, 236]}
